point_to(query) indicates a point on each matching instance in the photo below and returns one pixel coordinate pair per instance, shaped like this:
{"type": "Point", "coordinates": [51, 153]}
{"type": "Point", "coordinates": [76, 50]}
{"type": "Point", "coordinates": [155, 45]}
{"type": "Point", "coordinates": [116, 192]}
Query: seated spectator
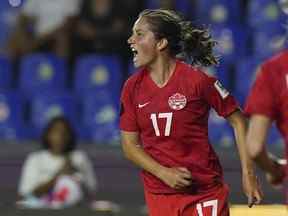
{"type": "Point", "coordinates": [101, 27]}
{"type": "Point", "coordinates": [59, 174]}
{"type": "Point", "coordinates": [43, 26]}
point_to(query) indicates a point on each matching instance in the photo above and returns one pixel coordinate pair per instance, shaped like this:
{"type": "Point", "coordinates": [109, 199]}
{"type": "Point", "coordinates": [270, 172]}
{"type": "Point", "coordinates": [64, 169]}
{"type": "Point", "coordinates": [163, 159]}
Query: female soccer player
{"type": "Point", "coordinates": [163, 122]}
{"type": "Point", "coordinates": [268, 102]}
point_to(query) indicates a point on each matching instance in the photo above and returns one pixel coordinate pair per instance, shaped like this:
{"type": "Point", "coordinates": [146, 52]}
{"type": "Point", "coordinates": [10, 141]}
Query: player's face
{"type": "Point", "coordinates": [143, 44]}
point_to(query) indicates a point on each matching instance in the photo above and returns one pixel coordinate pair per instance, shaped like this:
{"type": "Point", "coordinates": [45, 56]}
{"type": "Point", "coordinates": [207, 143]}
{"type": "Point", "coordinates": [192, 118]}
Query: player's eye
{"type": "Point", "coordinates": [139, 33]}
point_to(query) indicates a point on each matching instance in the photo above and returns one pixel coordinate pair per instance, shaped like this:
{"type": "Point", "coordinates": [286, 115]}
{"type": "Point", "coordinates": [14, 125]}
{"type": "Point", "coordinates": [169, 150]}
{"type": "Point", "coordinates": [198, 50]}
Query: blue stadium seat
{"type": "Point", "coordinates": [100, 117]}
{"type": "Point", "coordinates": [95, 73]}
{"type": "Point", "coordinates": [5, 73]}
{"type": "Point", "coordinates": [42, 71]}
{"type": "Point", "coordinates": [11, 116]}
{"type": "Point", "coordinates": [219, 131]}
{"type": "Point", "coordinates": [232, 42]}
{"type": "Point", "coordinates": [46, 105]}
{"type": "Point", "coordinates": [7, 21]}
{"type": "Point", "coordinates": [219, 12]}
{"type": "Point", "coordinates": [223, 73]}
{"type": "Point", "coordinates": [263, 14]}
{"type": "Point", "coordinates": [245, 76]}
{"type": "Point", "coordinates": [274, 40]}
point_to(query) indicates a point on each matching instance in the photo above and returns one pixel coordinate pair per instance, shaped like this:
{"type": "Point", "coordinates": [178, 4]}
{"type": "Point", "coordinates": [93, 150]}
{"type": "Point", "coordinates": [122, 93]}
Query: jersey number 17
{"type": "Point", "coordinates": [168, 116]}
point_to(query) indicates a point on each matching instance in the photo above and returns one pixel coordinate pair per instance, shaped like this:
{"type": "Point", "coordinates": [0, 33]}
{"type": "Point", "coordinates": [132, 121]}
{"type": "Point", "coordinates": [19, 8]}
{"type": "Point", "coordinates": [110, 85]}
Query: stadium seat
{"type": "Point", "coordinates": [7, 21]}
{"type": "Point", "coordinates": [42, 71]}
{"type": "Point", "coordinates": [223, 73]}
{"type": "Point", "coordinates": [46, 105]}
{"type": "Point", "coordinates": [5, 73]}
{"type": "Point", "coordinates": [100, 117]}
{"type": "Point", "coordinates": [219, 131]}
{"type": "Point", "coordinates": [219, 12]}
{"type": "Point", "coordinates": [274, 40]}
{"type": "Point", "coordinates": [263, 14]}
{"type": "Point", "coordinates": [232, 42]}
{"type": "Point", "coordinates": [244, 76]}
{"type": "Point", "coordinates": [11, 116]}
{"type": "Point", "coordinates": [95, 73]}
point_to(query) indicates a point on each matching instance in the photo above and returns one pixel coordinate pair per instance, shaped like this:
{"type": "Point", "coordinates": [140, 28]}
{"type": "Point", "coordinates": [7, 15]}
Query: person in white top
{"type": "Point", "coordinates": [43, 26]}
{"type": "Point", "coordinates": [59, 175]}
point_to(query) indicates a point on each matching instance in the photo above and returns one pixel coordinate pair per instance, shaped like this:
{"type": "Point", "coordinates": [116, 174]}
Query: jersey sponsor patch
{"type": "Point", "coordinates": [177, 101]}
{"type": "Point", "coordinates": [222, 91]}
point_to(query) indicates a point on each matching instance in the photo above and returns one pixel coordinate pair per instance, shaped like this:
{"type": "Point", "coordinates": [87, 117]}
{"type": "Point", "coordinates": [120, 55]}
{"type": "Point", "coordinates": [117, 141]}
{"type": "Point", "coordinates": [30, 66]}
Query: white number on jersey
{"type": "Point", "coordinates": [168, 117]}
{"type": "Point", "coordinates": [213, 203]}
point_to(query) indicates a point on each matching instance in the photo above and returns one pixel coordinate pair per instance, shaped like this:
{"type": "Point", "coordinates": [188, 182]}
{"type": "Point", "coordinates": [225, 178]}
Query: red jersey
{"type": "Point", "coordinates": [269, 94]}
{"type": "Point", "coordinates": [173, 123]}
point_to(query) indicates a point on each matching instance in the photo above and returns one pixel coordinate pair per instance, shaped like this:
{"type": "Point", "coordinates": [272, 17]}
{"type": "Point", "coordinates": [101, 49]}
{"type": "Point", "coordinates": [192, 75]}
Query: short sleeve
{"type": "Point", "coordinates": [261, 99]}
{"type": "Point", "coordinates": [29, 176]}
{"type": "Point", "coordinates": [128, 121]}
{"type": "Point", "coordinates": [218, 97]}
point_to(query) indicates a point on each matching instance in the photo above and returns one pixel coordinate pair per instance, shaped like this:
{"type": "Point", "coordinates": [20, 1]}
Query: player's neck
{"type": "Point", "coordinates": [162, 70]}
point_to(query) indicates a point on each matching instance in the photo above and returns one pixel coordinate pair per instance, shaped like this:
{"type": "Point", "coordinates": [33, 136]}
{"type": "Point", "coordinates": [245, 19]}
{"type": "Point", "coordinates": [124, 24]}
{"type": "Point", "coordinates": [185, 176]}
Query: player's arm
{"type": "Point", "coordinates": [259, 126]}
{"type": "Point", "coordinates": [239, 124]}
{"type": "Point", "coordinates": [250, 183]}
{"type": "Point", "coordinates": [176, 178]}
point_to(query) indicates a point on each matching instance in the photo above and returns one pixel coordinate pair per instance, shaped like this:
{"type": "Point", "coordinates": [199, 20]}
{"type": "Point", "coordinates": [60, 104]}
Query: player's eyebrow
{"type": "Point", "coordinates": [138, 30]}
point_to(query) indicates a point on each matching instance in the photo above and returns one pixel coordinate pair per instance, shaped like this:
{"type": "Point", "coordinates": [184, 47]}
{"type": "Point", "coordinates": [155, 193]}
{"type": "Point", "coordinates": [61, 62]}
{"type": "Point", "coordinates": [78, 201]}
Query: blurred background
{"type": "Point", "coordinates": [70, 58]}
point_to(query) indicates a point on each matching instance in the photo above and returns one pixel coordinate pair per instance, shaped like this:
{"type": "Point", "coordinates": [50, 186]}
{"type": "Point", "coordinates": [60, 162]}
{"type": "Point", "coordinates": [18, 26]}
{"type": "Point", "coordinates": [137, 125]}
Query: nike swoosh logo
{"type": "Point", "coordinates": [143, 105]}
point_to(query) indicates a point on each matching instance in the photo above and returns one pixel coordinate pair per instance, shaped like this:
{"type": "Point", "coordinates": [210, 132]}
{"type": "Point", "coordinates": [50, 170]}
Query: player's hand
{"type": "Point", "coordinates": [176, 177]}
{"type": "Point", "coordinates": [276, 178]}
{"type": "Point", "coordinates": [252, 188]}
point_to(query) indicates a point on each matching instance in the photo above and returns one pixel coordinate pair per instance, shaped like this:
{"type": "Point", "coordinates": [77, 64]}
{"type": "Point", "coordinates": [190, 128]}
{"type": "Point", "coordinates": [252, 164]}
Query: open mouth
{"type": "Point", "coordinates": [135, 52]}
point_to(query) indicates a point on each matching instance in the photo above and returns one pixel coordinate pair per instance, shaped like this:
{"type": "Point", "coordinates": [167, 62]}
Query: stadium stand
{"type": "Point", "coordinates": [48, 104]}
{"type": "Point", "coordinates": [268, 14]}
{"type": "Point", "coordinates": [42, 71]}
{"type": "Point", "coordinates": [98, 72]}
{"type": "Point", "coordinates": [219, 12]}
{"type": "Point", "coordinates": [100, 117]}
{"type": "Point", "coordinates": [11, 116]}
{"type": "Point", "coordinates": [5, 73]}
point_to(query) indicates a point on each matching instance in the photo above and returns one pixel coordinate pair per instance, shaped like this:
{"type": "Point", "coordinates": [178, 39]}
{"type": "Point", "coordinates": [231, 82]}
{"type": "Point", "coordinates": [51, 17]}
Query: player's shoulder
{"type": "Point", "coordinates": [195, 74]}
{"type": "Point", "coordinates": [134, 78]}
{"type": "Point", "coordinates": [279, 58]}
{"type": "Point", "coordinates": [275, 63]}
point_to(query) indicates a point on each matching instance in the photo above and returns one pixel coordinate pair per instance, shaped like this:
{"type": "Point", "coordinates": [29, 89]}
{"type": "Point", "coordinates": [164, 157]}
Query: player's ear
{"type": "Point", "coordinates": [162, 44]}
